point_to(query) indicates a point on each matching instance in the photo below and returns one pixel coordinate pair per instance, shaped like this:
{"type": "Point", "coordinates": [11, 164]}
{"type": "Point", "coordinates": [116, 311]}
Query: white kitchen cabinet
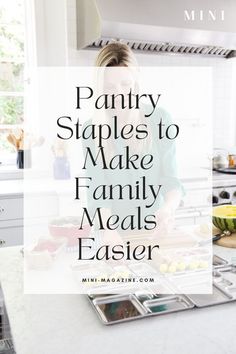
{"type": "Point", "coordinates": [12, 215]}
{"type": "Point", "coordinates": [11, 220]}
{"type": "Point", "coordinates": [11, 208]}
{"type": "Point", "coordinates": [11, 236]}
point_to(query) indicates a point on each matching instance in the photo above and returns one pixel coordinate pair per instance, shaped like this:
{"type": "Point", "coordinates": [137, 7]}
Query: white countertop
{"type": "Point", "coordinates": [60, 324]}
{"type": "Point", "coordinates": [12, 188]}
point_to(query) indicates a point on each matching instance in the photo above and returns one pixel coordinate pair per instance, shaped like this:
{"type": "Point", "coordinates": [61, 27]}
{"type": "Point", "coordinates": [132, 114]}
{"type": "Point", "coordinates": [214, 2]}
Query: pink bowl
{"type": "Point", "coordinates": [68, 228]}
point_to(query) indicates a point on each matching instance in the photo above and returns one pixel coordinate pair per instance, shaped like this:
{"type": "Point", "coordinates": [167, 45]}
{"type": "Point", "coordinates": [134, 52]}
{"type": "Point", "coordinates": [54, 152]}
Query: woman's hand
{"type": "Point", "coordinates": [110, 237]}
{"type": "Point", "coordinates": [166, 214]}
{"type": "Point", "coordinates": [165, 221]}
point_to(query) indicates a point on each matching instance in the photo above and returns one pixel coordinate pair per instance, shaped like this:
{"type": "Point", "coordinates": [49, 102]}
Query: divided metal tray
{"type": "Point", "coordinates": [113, 309]}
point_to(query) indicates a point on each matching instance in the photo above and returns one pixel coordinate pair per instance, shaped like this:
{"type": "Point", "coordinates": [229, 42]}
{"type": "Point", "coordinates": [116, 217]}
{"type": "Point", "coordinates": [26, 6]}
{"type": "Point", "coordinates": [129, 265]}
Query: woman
{"type": "Point", "coordinates": [120, 55]}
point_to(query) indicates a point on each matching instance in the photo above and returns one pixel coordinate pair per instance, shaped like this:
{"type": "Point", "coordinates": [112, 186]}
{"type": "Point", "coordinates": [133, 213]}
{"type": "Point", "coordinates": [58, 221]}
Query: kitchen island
{"type": "Point", "coordinates": [59, 324]}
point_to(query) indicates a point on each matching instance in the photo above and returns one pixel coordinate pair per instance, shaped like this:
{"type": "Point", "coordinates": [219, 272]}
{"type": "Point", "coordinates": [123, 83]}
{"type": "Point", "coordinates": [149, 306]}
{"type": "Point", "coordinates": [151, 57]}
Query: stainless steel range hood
{"type": "Point", "coordinates": [206, 28]}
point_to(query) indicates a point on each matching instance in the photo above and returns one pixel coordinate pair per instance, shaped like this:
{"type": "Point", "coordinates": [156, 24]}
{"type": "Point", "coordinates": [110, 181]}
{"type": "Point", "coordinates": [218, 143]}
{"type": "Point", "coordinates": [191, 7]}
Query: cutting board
{"type": "Point", "coordinates": [227, 241]}
{"type": "Point", "coordinates": [176, 239]}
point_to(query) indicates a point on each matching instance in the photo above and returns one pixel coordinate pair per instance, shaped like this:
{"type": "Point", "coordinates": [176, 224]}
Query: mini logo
{"type": "Point", "coordinates": [204, 15]}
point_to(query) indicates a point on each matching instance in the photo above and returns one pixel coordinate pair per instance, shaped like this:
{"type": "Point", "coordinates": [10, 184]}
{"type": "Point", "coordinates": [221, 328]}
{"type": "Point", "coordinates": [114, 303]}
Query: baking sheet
{"type": "Point", "coordinates": [225, 278]}
{"type": "Point", "coordinates": [219, 296]}
{"type": "Point", "coordinates": [113, 309]}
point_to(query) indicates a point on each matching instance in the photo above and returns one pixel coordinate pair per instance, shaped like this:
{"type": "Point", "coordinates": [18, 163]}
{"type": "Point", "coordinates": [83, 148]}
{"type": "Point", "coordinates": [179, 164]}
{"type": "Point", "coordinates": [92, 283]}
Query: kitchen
{"type": "Point", "coordinates": [54, 39]}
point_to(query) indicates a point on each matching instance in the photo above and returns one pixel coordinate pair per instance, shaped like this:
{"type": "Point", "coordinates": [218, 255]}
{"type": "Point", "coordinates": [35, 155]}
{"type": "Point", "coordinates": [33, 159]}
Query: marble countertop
{"type": "Point", "coordinates": [59, 324]}
{"type": "Point", "coordinates": [11, 188]}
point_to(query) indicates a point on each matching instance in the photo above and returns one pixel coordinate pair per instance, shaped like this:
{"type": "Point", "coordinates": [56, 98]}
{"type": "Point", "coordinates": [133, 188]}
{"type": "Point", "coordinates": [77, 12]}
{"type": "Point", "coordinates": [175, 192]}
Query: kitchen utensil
{"type": "Point", "coordinates": [22, 140]}
{"type": "Point", "coordinates": [220, 235]}
{"type": "Point", "coordinates": [11, 140]}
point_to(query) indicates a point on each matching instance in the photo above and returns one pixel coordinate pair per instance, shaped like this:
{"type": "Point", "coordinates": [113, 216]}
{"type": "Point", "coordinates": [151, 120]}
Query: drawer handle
{"type": "Point", "coordinates": [2, 242]}
{"type": "Point", "coordinates": [2, 209]}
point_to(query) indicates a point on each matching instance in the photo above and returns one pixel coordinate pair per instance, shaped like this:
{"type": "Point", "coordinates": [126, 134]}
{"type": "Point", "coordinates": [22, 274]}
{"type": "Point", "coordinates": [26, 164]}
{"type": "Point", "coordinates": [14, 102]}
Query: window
{"type": "Point", "coordinates": [12, 58]}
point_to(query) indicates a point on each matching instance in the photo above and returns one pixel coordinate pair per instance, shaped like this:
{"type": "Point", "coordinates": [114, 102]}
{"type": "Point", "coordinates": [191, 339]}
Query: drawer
{"type": "Point", "coordinates": [11, 208]}
{"type": "Point", "coordinates": [11, 236]}
{"type": "Point", "coordinates": [34, 206]}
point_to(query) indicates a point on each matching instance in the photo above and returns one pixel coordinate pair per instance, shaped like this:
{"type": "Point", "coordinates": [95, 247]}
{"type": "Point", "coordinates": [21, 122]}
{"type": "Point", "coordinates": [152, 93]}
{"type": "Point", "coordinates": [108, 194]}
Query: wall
{"type": "Point", "coordinates": [224, 112]}
{"type": "Point", "coordinates": [51, 32]}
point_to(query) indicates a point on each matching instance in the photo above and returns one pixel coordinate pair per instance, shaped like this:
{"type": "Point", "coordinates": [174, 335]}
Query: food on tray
{"type": "Point", "coordinates": [163, 268]}
{"type": "Point", "coordinates": [172, 267]}
{"type": "Point", "coordinates": [203, 264]}
{"type": "Point", "coordinates": [119, 310]}
{"type": "Point", "coordinates": [181, 266]}
{"type": "Point", "coordinates": [159, 308]}
{"type": "Point", "coordinates": [191, 264]}
{"type": "Point", "coordinates": [224, 217]}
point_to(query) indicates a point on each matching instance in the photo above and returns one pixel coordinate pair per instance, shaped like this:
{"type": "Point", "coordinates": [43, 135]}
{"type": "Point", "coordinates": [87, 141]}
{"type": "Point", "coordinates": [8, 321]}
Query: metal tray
{"type": "Point", "coordinates": [225, 278]}
{"type": "Point", "coordinates": [167, 304]}
{"type": "Point", "coordinates": [113, 309]}
{"type": "Point", "coordinates": [191, 283]}
{"type": "Point", "coordinates": [219, 296]}
{"type": "Point", "coordinates": [219, 262]}
{"type": "Point", "coordinates": [118, 308]}
{"type": "Point", "coordinates": [121, 308]}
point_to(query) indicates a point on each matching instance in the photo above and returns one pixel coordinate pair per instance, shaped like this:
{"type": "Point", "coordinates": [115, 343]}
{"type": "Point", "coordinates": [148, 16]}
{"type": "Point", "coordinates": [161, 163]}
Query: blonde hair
{"type": "Point", "coordinates": [116, 54]}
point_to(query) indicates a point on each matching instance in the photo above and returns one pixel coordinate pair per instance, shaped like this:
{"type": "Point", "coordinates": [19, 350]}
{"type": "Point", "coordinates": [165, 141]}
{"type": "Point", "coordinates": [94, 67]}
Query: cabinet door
{"type": "Point", "coordinates": [11, 236]}
{"type": "Point", "coordinates": [11, 208]}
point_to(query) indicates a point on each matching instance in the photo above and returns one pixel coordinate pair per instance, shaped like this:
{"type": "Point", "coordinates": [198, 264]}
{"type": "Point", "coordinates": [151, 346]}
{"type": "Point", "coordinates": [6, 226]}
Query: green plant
{"type": "Point", "coordinates": [11, 67]}
{"type": "Point", "coordinates": [11, 110]}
